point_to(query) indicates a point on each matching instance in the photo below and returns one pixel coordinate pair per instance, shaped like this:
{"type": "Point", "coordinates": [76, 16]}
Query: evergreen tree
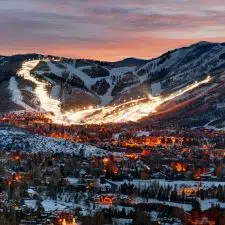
{"type": "Point", "coordinates": [196, 205]}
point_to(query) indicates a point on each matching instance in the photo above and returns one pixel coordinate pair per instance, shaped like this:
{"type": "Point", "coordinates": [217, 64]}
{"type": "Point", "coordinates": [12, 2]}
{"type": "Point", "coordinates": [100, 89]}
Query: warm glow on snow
{"type": "Point", "coordinates": [129, 111]}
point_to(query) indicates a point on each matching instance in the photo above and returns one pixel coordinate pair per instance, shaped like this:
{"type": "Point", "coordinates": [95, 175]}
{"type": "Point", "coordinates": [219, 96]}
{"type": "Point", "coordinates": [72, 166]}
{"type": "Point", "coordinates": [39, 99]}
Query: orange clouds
{"type": "Point", "coordinates": [108, 30]}
{"type": "Point", "coordinates": [109, 51]}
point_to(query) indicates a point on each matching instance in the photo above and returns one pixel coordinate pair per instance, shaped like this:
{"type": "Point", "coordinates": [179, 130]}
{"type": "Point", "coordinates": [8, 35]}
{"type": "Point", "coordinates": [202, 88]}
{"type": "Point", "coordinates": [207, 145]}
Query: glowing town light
{"type": "Point", "coordinates": [64, 222]}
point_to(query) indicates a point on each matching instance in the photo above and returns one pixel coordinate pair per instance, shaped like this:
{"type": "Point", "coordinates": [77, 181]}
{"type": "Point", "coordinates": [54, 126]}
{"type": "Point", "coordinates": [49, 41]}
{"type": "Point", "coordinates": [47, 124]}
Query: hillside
{"type": "Point", "coordinates": [48, 83]}
{"type": "Point", "coordinates": [17, 139]}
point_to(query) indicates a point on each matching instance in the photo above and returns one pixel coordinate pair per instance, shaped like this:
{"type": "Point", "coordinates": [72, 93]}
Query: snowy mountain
{"type": "Point", "coordinates": [35, 81]}
{"type": "Point", "coordinates": [73, 82]}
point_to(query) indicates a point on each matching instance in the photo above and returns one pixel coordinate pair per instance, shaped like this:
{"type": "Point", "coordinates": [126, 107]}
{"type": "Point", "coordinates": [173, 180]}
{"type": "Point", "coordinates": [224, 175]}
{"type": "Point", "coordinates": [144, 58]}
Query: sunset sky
{"type": "Point", "coordinates": [108, 29]}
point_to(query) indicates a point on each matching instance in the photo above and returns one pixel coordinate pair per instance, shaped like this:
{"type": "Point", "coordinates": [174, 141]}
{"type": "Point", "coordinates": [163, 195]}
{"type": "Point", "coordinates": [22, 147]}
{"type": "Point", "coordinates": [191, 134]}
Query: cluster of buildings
{"type": "Point", "coordinates": [159, 176]}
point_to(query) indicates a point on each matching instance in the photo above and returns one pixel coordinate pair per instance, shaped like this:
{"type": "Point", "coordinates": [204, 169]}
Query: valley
{"type": "Point", "coordinates": [84, 140]}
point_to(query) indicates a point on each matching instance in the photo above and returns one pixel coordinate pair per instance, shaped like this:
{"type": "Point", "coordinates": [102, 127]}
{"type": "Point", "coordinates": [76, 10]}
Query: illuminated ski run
{"type": "Point", "coordinates": [132, 110]}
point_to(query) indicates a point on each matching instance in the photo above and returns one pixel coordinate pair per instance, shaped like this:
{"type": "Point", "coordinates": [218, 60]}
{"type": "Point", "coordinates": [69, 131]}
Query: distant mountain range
{"type": "Point", "coordinates": [77, 83]}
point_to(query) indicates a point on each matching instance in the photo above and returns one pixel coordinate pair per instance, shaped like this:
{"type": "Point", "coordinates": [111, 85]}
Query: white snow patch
{"type": "Point", "coordinates": [17, 97]}
{"type": "Point", "coordinates": [156, 89]}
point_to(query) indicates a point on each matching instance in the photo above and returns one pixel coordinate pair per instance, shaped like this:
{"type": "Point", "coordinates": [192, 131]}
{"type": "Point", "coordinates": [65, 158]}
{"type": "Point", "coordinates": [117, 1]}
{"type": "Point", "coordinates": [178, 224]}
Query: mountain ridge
{"type": "Point", "coordinates": [78, 83]}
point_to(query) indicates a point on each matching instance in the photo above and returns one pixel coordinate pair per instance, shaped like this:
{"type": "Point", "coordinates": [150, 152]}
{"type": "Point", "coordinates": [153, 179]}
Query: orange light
{"type": "Point", "coordinates": [105, 160]}
{"type": "Point", "coordinates": [18, 177]}
{"type": "Point", "coordinates": [145, 153]}
{"type": "Point", "coordinates": [179, 167]}
{"type": "Point", "coordinates": [115, 170]}
{"type": "Point", "coordinates": [17, 158]}
{"type": "Point", "coordinates": [106, 200]}
{"type": "Point", "coordinates": [131, 155]}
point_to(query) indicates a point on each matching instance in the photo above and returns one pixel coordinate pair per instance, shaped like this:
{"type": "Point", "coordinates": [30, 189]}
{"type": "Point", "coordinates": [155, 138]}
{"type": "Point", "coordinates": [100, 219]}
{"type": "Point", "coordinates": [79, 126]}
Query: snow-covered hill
{"type": "Point", "coordinates": [184, 65]}
{"type": "Point", "coordinates": [16, 139]}
{"type": "Point", "coordinates": [45, 82]}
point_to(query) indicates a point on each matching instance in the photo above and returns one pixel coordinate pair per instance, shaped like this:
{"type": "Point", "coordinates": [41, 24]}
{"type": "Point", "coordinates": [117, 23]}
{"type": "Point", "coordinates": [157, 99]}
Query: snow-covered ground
{"type": "Point", "coordinates": [51, 205]}
{"type": "Point", "coordinates": [17, 97]}
{"type": "Point", "coordinates": [210, 127]}
{"type": "Point", "coordinates": [142, 133]}
{"type": "Point", "coordinates": [156, 89]}
{"type": "Point", "coordinates": [89, 81]}
{"type": "Point", "coordinates": [205, 204]}
{"type": "Point", "coordinates": [55, 92]}
{"type": "Point", "coordinates": [176, 183]}
{"type": "Point", "coordinates": [63, 203]}
{"type": "Point", "coordinates": [47, 103]}
{"type": "Point", "coordinates": [120, 221]}
{"type": "Point", "coordinates": [12, 138]}
{"type": "Point", "coordinates": [186, 207]}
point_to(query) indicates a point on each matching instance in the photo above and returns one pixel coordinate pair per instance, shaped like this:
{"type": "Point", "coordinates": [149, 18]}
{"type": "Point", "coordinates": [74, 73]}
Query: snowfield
{"type": "Point", "coordinates": [176, 183]}
{"type": "Point", "coordinates": [16, 139]}
{"type": "Point", "coordinates": [103, 84]}
{"type": "Point", "coordinates": [17, 97]}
